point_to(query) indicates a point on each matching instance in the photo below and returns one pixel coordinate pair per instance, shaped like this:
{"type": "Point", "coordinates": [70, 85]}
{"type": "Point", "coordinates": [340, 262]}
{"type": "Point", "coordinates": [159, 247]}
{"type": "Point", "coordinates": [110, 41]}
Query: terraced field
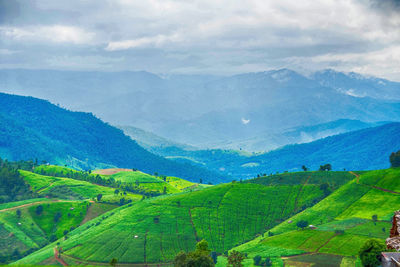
{"type": "Point", "coordinates": [155, 230]}
{"type": "Point", "coordinates": [349, 209]}
{"type": "Point", "coordinates": [30, 230]}
{"type": "Point", "coordinates": [66, 188]}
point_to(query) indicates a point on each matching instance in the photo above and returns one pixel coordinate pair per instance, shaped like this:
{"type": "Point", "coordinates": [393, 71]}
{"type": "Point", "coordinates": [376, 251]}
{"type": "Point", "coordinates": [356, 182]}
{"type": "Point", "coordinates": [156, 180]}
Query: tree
{"type": "Point", "coordinates": [395, 159]}
{"type": "Point", "coordinates": [113, 262]}
{"type": "Point", "coordinates": [165, 190]}
{"type": "Point", "coordinates": [201, 181]}
{"type": "Point", "coordinates": [199, 257]}
{"type": "Point", "coordinates": [116, 192]}
{"type": "Point", "coordinates": [374, 218]}
{"type": "Point", "coordinates": [214, 257]}
{"type": "Point", "coordinates": [39, 209]}
{"type": "Point", "coordinates": [99, 196]}
{"type": "Point", "coordinates": [267, 262]}
{"type": "Point", "coordinates": [57, 216]}
{"type": "Point", "coordinates": [304, 168]}
{"type": "Point", "coordinates": [326, 167]}
{"type": "Point", "coordinates": [302, 224]}
{"type": "Point", "coordinates": [257, 260]}
{"type": "Point", "coordinates": [235, 258]}
{"type": "Point", "coordinates": [370, 252]}
{"type": "Point", "coordinates": [18, 212]}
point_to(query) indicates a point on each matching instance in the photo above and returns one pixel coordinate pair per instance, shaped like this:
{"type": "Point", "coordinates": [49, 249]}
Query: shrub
{"type": "Point", "coordinates": [370, 252]}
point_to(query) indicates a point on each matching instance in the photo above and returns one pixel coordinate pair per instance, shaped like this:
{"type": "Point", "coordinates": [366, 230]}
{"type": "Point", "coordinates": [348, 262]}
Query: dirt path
{"type": "Point", "coordinates": [35, 203]}
{"type": "Point", "coordinates": [356, 175]}
{"type": "Point", "coordinates": [373, 186]}
{"type": "Point", "coordinates": [57, 257]}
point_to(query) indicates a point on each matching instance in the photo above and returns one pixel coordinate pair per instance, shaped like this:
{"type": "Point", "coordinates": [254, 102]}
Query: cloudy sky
{"type": "Point", "coordinates": [207, 36]}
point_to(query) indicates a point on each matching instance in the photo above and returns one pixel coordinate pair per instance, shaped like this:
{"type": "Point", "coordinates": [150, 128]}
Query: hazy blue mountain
{"type": "Point", "coordinates": [297, 135]}
{"type": "Point", "coordinates": [31, 128]}
{"type": "Point", "coordinates": [364, 149]}
{"type": "Point", "coordinates": [358, 85]}
{"type": "Point", "coordinates": [153, 142]}
{"type": "Point", "coordinates": [203, 110]}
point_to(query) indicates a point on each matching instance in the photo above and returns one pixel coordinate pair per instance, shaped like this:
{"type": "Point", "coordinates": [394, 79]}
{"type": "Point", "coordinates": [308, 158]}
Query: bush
{"type": "Point", "coordinates": [257, 260]}
{"type": "Point", "coordinates": [302, 224]}
{"type": "Point", "coordinates": [370, 253]}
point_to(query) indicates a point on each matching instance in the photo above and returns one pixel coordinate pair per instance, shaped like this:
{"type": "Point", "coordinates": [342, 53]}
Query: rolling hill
{"type": "Point", "coordinates": [343, 222]}
{"type": "Point", "coordinates": [154, 230]}
{"type": "Point", "coordinates": [365, 149]}
{"type": "Point", "coordinates": [193, 109]}
{"type": "Point", "coordinates": [32, 128]}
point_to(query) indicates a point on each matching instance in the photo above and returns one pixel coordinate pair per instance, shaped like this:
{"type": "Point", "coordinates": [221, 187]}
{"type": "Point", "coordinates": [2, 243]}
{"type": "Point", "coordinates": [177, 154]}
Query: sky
{"type": "Point", "coordinates": [221, 37]}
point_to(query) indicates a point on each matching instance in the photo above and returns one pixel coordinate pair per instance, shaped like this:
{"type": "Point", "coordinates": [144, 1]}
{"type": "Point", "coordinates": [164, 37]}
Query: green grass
{"type": "Point", "coordinates": [350, 208]}
{"type": "Point", "coordinates": [22, 202]}
{"type": "Point", "coordinates": [334, 179]}
{"type": "Point", "coordinates": [239, 216]}
{"type": "Point", "coordinates": [225, 215]}
{"type": "Point", "coordinates": [148, 182]}
{"type": "Point", "coordinates": [32, 231]}
{"type": "Point", "coordinates": [67, 188]}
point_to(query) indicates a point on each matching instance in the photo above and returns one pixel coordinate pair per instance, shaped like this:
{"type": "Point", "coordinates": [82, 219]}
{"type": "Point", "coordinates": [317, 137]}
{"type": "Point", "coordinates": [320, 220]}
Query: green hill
{"type": "Point", "coordinates": [23, 229]}
{"type": "Point", "coordinates": [67, 188]}
{"type": "Point", "coordinates": [32, 128]}
{"type": "Point", "coordinates": [225, 215]}
{"type": "Point", "coordinates": [343, 222]}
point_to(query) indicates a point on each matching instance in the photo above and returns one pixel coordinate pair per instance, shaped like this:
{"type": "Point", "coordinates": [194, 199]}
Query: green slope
{"type": "Point", "coordinates": [225, 215]}
{"type": "Point", "coordinates": [66, 188]}
{"type": "Point", "coordinates": [29, 231]}
{"type": "Point", "coordinates": [349, 209]}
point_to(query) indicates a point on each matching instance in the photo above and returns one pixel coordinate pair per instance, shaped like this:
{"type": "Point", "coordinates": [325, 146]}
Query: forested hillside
{"type": "Point", "coordinates": [31, 128]}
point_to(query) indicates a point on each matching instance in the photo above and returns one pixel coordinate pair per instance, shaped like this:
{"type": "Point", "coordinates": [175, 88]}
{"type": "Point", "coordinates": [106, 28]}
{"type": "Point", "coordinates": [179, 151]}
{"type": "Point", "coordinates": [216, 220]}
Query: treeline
{"type": "Point", "coordinates": [12, 185]}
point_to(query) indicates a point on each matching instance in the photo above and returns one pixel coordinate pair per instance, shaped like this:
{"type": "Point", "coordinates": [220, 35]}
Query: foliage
{"type": "Point", "coordinates": [199, 257]}
{"type": "Point", "coordinates": [326, 167]}
{"type": "Point", "coordinates": [235, 258]}
{"type": "Point", "coordinates": [370, 253]}
{"type": "Point", "coordinates": [395, 159]}
{"type": "Point", "coordinates": [34, 128]}
{"type": "Point", "coordinates": [302, 224]}
{"type": "Point", "coordinates": [12, 185]}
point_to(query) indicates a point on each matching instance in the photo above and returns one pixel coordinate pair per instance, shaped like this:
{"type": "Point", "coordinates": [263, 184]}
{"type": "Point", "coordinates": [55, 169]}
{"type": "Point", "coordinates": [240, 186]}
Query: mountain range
{"type": "Point", "coordinates": [32, 128]}
{"type": "Point", "coordinates": [214, 111]}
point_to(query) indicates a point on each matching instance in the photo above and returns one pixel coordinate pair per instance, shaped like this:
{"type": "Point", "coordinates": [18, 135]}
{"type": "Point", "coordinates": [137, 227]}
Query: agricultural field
{"type": "Point", "coordinates": [155, 230]}
{"type": "Point", "coordinates": [67, 188]}
{"type": "Point", "coordinates": [333, 179]}
{"type": "Point", "coordinates": [152, 183]}
{"type": "Point", "coordinates": [29, 225]}
{"type": "Point", "coordinates": [343, 223]}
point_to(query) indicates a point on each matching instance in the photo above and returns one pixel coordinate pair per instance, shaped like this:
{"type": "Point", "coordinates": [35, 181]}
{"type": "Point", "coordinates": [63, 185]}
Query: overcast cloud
{"type": "Point", "coordinates": [207, 36]}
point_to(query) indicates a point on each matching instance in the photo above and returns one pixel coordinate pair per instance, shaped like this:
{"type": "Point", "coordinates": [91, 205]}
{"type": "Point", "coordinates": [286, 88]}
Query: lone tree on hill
{"type": "Point", "coordinates": [99, 196]}
{"type": "Point", "coordinates": [395, 159]}
{"type": "Point", "coordinates": [326, 167]}
{"type": "Point", "coordinates": [370, 252]}
{"type": "Point", "coordinates": [304, 168]}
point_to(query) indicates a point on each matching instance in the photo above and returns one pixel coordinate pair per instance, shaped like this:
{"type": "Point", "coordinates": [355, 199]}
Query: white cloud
{"type": "Point", "coordinates": [245, 121]}
{"type": "Point", "coordinates": [218, 36]}
{"type": "Point", "coordinates": [154, 41]}
{"type": "Point", "coordinates": [52, 33]}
